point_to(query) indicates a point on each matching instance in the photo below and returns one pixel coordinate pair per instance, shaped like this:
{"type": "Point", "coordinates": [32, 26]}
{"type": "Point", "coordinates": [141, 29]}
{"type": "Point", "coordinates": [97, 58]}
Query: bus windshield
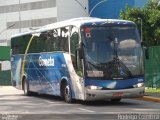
{"type": "Point", "coordinates": [112, 52]}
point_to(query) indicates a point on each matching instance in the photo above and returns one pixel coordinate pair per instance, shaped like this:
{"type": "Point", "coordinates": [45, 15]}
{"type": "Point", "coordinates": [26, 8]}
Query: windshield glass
{"type": "Point", "coordinates": [112, 52]}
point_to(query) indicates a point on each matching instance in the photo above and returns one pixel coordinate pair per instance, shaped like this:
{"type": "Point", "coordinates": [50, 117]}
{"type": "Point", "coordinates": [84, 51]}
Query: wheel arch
{"type": "Point", "coordinates": [63, 82]}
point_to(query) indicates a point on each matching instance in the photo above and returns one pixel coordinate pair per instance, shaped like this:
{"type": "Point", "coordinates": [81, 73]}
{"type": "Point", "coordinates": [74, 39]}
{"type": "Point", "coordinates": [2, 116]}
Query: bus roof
{"type": "Point", "coordinates": [91, 21]}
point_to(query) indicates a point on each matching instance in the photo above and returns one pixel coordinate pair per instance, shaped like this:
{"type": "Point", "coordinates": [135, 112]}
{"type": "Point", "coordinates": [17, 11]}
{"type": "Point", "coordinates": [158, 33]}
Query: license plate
{"type": "Point", "coordinates": [118, 94]}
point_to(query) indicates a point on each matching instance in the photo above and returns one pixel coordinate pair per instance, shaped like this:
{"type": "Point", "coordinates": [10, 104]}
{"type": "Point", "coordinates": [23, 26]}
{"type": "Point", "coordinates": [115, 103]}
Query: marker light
{"type": "Point", "coordinates": [92, 87]}
{"type": "Point", "coordinates": [138, 85]}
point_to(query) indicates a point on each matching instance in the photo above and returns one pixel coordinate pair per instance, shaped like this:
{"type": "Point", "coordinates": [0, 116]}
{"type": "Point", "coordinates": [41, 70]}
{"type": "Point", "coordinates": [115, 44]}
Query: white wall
{"type": "Point", "coordinates": [64, 9]}
{"type": "Point", "coordinates": [68, 9]}
{"type": "Point", "coordinates": [27, 15]}
{"type": "Point", "coordinates": [12, 2]}
{"type": "Point", "coordinates": [5, 65]}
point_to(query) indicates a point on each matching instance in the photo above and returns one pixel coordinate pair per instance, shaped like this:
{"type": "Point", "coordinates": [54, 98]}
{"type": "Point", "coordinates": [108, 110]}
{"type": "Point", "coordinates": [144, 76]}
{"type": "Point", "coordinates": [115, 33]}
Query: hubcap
{"type": "Point", "coordinates": [25, 88]}
{"type": "Point", "coordinates": [67, 93]}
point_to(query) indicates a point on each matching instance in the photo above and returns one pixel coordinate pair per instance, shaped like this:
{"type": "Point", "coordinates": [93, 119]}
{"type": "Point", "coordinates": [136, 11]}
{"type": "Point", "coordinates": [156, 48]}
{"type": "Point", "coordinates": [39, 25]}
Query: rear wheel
{"type": "Point", "coordinates": [26, 88]}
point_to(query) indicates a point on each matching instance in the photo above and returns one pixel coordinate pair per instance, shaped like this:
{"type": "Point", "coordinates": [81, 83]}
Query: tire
{"type": "Point", "coordinates": [67, 94]}
{"type": "Point", "coordinates": [116, 100]}
{"type": "Point", "coordinates": [26, 88]}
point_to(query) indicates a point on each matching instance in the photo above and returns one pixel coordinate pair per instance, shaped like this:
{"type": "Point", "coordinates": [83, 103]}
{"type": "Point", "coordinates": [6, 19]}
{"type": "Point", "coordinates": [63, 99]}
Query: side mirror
{"type": "Point", "coordinates": [143, 44]}
{"type": "Point", "coordinates": [146, 53]}
{"type": "Point", "coordinates": [80, 53]}
{"type": "Point", "coordinates": [145, 49]}
{"type": "Point", "coordinates": [80, 50]}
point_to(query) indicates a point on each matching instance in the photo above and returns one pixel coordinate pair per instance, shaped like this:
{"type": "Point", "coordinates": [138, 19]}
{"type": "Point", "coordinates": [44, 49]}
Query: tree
{"type": "Point", "coordinates": [150, 15]}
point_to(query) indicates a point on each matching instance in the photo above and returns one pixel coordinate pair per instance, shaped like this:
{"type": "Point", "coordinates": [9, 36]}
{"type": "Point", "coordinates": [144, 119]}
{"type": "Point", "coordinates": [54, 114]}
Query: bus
{"type": "Point", "coordinates": [84, 59]}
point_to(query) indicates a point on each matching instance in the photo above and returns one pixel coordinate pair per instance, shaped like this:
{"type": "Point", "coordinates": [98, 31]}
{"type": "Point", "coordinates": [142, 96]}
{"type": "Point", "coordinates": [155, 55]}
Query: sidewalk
{"type": "Point", "coordinates": [149, 98]}
{"type": "Point", "coordinates": [9, 90]}
{"type": "Point", "coordinates": [152, 97]}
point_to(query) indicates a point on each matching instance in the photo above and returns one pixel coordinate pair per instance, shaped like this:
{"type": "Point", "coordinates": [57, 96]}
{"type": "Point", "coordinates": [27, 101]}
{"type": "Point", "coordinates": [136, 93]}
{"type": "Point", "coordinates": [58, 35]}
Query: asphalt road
{"type": "Point", "coordinates": [15, 106]}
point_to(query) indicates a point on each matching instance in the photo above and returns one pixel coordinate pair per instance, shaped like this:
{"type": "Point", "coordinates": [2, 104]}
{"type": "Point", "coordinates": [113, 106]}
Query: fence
{"type": "Point", "coordinates": [152, 68]}
{"type": "Point", "coordinates": [4, 53]}
{"type": "Point", "coordinates": [5, 76]}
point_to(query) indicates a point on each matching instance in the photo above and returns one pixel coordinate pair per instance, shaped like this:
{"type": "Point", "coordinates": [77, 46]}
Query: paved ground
{"type": "Point", "coordinates": [13, 102]}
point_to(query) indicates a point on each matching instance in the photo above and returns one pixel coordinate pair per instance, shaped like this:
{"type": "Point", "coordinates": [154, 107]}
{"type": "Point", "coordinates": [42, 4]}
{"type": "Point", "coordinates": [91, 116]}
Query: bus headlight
{"type": "Point", "coordinates": [138, 85]}
{"type": "Point", "coordinates": [92, 87]}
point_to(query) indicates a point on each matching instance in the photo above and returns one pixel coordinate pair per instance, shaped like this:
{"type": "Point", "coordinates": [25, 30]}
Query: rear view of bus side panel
{"type": "Point", "coordinates": [16, 65]}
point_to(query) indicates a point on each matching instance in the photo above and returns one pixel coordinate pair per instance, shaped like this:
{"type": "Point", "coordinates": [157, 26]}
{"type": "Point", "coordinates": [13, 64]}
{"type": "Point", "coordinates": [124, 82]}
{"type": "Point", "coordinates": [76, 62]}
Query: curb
{"type": "Point", "coordinates": [149, 98]}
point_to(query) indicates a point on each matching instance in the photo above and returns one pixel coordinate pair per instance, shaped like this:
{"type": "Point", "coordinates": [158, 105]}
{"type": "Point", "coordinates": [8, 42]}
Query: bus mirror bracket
{"type": "Point", "coordinates": [143, 44]}
{"type": "Point", "coordinates": [146, 51]}
{"type": "Point", "coordinates": [80, 50]}
{"type": "Point", "coordinates": [80, 53]}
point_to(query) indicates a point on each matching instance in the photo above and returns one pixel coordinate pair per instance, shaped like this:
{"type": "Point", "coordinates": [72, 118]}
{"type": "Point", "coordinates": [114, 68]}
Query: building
{"type": "Point", "coordinates": [111, 8]}
{"type": "Point", "coordinates": [22, 15]}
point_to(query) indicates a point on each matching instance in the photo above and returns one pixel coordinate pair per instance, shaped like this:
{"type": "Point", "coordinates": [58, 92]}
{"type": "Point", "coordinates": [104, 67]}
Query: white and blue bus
{"type": "Point", "coordinates": [83, 58]}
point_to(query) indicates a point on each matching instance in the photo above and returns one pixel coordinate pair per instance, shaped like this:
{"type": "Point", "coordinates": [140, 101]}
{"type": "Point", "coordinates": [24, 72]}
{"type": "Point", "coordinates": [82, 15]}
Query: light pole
{"type": "Point", "coordinates": [96, 6]}
{"type": "Point", "coordinates": [84, 8]}
{"type": "Point", "coordinates": [19, 16]}
{"type": "Point", "coordinates": [7, 28]}
{"type": "Point", "coordinates": [141, 27]}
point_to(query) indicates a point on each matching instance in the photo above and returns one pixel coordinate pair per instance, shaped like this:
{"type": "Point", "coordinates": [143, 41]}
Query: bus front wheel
{"type": "Point", "coordinates": [116, 100]}
{"type": "Point", "coordinates": [67, 93]}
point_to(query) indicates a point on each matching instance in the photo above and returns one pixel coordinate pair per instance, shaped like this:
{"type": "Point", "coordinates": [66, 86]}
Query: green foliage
{"type": "Point", "coordinates": [152, 90]}
{"type": "Point", "coordinates": [150, 16]}
{"type": "Point", "coordinates": [4, 53]}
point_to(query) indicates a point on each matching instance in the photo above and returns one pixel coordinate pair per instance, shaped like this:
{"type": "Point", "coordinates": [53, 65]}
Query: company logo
{"type": "Point", "coordinates": [46, 62]}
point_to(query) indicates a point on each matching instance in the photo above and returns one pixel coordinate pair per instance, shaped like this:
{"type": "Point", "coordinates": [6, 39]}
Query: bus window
{"type": "Point", "coordinates": [54, 45]}
{"type": "Point", "coordinates": [42, 42]}
{"type": "Point", "coordinates": [19, 44]}
{"type": "Point", "coordinates": [33, 48]}
{"type": "Point", "coordinates": [74, 40]}
{"type": "Point", "coordinates": [73, 44]}
{"type": "Point", "coordinates": [64, 39]}
{"type": "Point", "coordinates": [59, 39]}
{"type": "Point", "coordinates": [49, 40]}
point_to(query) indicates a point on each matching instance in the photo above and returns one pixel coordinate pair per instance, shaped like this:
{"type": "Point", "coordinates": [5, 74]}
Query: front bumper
{"type": "Point", "coordinates": [91, 95]}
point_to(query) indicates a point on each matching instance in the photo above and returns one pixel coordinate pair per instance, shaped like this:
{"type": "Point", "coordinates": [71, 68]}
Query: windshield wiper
{"type": "Point", "coordinates": [119, 69]}
{"type": "Point", "coordinates": [124, 71]}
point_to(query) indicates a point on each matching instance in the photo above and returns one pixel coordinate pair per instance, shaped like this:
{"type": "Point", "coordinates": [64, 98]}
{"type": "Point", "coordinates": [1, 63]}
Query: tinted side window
{"type": "Point", "coordinates": [64, 39]}
{"type": "Point", "coordinates": [19, 44]}
{"type": "Point", "coordinates": [74, 40]}
{"type": "Point", "coordinates": [59, 39]}
{"type": "Point", "coordinates": [53, 40]}
{"type": "Point", "coordinates": [42, 43]}
{"type": "Point", "coordinates": [39, 43]}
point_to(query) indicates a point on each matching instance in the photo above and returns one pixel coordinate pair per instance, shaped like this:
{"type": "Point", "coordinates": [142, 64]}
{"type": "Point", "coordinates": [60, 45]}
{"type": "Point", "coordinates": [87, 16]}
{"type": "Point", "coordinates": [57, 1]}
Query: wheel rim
{"type": "Point", "coordinates": [67, 94]}
{"type": "Point", "coordinates": [25, 88]}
